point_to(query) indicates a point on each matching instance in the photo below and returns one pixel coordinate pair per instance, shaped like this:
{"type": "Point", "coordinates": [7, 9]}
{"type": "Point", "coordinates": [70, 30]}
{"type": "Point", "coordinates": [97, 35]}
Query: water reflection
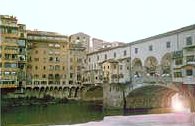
{"type": "Point", "coordinates": [85, 114]}
{"type": "Point", "coordinates": [70, 113]}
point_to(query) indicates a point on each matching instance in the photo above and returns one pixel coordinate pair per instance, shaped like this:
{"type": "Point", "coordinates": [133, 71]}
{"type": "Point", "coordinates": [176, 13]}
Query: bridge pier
{"type": "Point", "coordinates": [192, 99]}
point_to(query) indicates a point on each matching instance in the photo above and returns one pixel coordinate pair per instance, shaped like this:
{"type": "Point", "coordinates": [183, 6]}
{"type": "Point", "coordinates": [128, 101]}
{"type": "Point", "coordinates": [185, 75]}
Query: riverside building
{"type": "Point", "coordinates": [13, 52]}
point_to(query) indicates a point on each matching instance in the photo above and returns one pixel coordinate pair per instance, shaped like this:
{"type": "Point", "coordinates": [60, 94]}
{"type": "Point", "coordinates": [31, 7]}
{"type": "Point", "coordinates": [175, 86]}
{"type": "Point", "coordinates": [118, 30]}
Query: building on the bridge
{"type": "Point", "coordinates": [12, 52]}
{"type": "Point", "coordinates": [152, 59]}
{"type": "Point", "coordinates": [47, 58]}
{"type": "Point", "coordinates": [184, 60]}
{"type": "Point", "coordinates": [98, 60]}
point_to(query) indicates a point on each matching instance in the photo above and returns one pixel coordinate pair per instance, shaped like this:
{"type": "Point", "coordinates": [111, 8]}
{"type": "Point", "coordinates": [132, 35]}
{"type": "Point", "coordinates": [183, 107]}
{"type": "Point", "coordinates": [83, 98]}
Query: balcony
{"type": "Point", "coordinates": [12, 25]}
{"type": "Point", "coordinates": [178, 79]}
{"type": "Point", "coordinates": [5, 85]}
{"type": "Point", "coordinates": [11, 51]}
{"type": "Point", "coordinates": [9, 69]}
{"type": "Point", "coordinates": [9, 77]}
{"type": "Point", "coordinates": [10, 35]}
{"type": "Point", "coordinates": [189, 47]}
{"type": "Point", "coordinates": [13, 44]}
{"type": "Point", "coordinates": [190, 63]}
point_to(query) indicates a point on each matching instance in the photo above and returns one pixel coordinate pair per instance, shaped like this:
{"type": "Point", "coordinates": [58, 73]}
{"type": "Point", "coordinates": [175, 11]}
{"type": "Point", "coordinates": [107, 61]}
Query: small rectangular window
{"type": "Point", "coordinates": [125, 52]}
{"type": "Point", "coordinates": [177, 74]}
{"type": "Point", "coordinates": [36, 59]}
{"type": "Point", "coordinates": [114, 66]}
{"type": "Point", "coordinates": [57, 67]}
{"type": "Point", "coordinates": [168, 44]}
{"type": "Point", "coordinates": [105, 56]}
{"type": "Point", "coordinates": [114, 55]}
{"type": "Point", "coordinates": [189, 40]}
{"type": "Point", "coordinates": [190, 58]}
{"type": "Point", "coordinates": [189, 72]}
{"type": "Point", "coordinates": [51, 67]}
{"type": "Point", "coordinates": [121, 67]}
{"type": "Point", "coordinates": [44, 76]}
{"type": "Point", "coordinates": [150, 48]}
{"type": "Point", "coordinates": [51, 58]}
{"type": "Point", "coordinates": [179, 61]}
{"type": "Point", "coordinates": [136, 50]}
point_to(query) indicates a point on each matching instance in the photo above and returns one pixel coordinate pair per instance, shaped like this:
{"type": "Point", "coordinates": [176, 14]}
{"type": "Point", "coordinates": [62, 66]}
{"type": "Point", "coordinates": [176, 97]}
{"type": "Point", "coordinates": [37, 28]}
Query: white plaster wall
{"type": "Point", "coordinates": [182, 38]}
{"type": "Point", "coordinates": [159, 48]}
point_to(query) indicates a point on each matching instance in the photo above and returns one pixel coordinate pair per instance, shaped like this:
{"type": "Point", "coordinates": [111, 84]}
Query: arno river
{"type": "Point", "coordinates": [84, 114]}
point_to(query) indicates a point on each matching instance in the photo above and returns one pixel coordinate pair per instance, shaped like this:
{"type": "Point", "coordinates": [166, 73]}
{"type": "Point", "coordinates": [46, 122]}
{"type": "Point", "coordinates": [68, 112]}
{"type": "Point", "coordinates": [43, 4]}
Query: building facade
{"type": "Point", "coordinates": [97, 44]}
{"type": "Point", "coordinates": [82, 39]}
{"type": "Point", "coordinates": [47, 58]}
{"type": "Point", "coordinates": [55, 59]}
{"type": "Point", "coordinates": [13, 52]}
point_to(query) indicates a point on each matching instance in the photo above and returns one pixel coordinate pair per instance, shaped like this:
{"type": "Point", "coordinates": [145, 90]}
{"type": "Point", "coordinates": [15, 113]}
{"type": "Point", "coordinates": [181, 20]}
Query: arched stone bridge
{"type": "Point", "coordinates": [147, 95]}
{"type": "Point", "coordinates": [84, 92]}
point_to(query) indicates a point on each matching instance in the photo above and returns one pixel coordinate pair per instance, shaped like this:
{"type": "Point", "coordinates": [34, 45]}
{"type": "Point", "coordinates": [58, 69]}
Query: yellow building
{"type": "Point", "coordinates": [13, 52]}
{"type": "Point", "coordinates": [47, 58]}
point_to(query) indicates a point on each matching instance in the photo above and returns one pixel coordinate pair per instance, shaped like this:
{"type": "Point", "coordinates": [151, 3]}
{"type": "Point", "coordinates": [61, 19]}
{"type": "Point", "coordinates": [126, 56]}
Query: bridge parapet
{"type": "Point", "coordinates": [152, 80]}
{"type": "Point", "coordinates": [52, 85]}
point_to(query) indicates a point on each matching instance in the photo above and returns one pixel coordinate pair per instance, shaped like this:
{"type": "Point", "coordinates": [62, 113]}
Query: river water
{"type": "Point", "coordinates": [84, 114]}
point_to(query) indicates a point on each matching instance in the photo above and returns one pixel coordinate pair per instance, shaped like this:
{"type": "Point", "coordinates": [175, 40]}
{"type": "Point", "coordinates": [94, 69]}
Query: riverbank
{"type": "Point", "coordinates": [171, 119]}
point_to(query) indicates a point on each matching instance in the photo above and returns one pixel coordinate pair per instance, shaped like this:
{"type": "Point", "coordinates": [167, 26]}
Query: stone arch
{"type": "Point", "coordinates": [28, 88]}
{"type": "Point", "coordinates": [150, 96]}
{"type": "Point", "coordinates": [42, 89]}
{"type": "Point", "coordinates": [93, 93]}
{"type": "Point", "coordinates": [151, 65]}
{"type": "Point", "coordinates": [72, 92]}
{"type": "Point", "coordinates": [60, 88]}
{"type": "Point", "coordinates": [36, 88]}
{"type": "Point", "coordinates": [47, 89]}
{"type": "Point", "coordinates": [51, 88]}
{"type": "Point", "coordinates": [137, 66]}
{"type": "Point", "coordinates": [66, 91]}
{"type": "Point", "coordinates": [166, 64]}
{"type": "Point", "coordinates": [55, 88]}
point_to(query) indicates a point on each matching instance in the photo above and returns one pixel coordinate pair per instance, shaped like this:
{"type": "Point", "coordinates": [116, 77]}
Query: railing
{"type": "Point", "coordinates": [11, 51]}
{"type": "Point", "coordinates": [152, 80]}
{"type": "Point", "coordinates": [8, 85]}
{"type": "Point", "coordinates": [10, 35]}
{"type": "Point", "coordinates": [9, 77]}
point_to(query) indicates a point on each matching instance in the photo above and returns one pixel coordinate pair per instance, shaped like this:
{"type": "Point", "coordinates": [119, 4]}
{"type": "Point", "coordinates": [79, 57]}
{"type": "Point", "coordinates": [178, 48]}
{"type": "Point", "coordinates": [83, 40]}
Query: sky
{"type": "Point", "coordinates": [110, 20]}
